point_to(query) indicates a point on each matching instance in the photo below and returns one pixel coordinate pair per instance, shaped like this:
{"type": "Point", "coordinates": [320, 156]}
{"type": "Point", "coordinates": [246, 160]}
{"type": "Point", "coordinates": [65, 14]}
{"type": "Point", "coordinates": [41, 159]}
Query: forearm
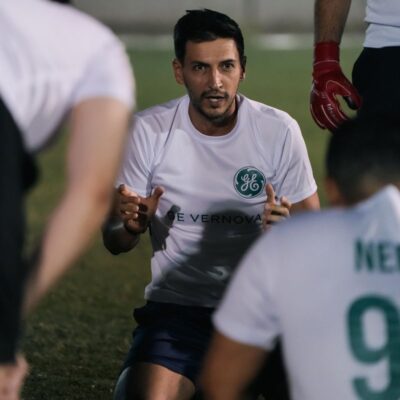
{"type": "Point", "coordinates": [222, 390]}
{"type": "Point", "coordinates": [116, 238]}
{"type": "Point", "coordinates": [68, 233]}
{"type": "Point", "coordinates": [329, 83]}
{"type": "Point", "coordinates": [228, 368]}
{"type": "Point", "coordinates": [330, 19]}
{"type": "Point", "coordinates": [223, 393]}
{"type": "Point", "coordinates": [310, 203]}
{"type": "Point", "coordinates": [12, 376]}
{"type": "Point", "coordinates": [97, 133]}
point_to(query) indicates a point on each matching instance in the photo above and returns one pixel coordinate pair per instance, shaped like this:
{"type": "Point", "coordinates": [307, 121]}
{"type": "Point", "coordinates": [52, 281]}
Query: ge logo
{"type": "Point", "coordinates": [249, 182]}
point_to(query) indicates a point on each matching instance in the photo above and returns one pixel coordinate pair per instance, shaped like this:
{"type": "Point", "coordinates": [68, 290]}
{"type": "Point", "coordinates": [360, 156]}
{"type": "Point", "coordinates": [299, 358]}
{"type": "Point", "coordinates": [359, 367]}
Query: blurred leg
{"type": "Point", "coordinates": [145, 381]}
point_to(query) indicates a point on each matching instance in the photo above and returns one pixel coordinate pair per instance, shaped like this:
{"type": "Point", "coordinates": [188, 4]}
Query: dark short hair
{"type": "Point", "coordinates": [203, 26]}
{"type": "Point", "coordinates": [364, 152]}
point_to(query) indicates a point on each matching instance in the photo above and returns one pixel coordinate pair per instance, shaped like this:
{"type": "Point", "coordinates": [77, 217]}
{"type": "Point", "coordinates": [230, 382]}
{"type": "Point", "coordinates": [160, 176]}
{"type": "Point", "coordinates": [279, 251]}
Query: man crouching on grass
{"type": "Point", "coordinates": [203, 171]}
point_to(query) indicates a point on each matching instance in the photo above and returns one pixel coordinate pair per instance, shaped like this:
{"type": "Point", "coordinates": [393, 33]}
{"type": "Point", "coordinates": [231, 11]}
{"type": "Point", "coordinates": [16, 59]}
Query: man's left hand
{"type": "Point", "coordinates": [274, 211]}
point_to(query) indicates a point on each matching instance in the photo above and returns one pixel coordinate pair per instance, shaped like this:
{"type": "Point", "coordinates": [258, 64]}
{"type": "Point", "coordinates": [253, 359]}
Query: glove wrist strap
{"type": "Point", "coordinates": [326, 51]}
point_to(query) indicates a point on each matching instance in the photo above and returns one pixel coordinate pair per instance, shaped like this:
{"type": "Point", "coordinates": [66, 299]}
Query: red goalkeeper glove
{"type": "Point", "coordinates": [328, 83]}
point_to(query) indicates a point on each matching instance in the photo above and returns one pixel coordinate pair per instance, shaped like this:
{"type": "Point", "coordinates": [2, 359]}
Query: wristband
{"type": "Point", "coordinates": [326, 51]}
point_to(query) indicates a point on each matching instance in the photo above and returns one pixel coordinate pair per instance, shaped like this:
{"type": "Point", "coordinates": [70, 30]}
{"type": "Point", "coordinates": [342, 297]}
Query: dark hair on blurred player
{"type": "Point", "coordinates": [376, 142]}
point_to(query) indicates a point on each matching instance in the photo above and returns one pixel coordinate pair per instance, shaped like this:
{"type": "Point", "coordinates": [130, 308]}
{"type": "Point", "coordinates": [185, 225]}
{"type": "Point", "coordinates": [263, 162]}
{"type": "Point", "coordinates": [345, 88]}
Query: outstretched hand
{"type": "Point", "coordinates": [136, 211]}
{"type": "Point", "coordinates": [273, 211]}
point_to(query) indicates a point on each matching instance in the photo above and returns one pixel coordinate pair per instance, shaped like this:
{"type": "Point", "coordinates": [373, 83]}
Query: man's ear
{"type": "Point", "coordinates": [178, 71]}
{"type": "Point", "coordinates": [243, 65]}
{"type": "Point", "coordinates": [335, 197]}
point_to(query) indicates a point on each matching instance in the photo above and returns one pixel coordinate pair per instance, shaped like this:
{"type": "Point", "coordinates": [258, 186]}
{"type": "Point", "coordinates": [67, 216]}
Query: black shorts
{"type": "Point", "coordinates": [177, 337]}
{"type": "Point", "coordinates": [377, 78]}
{"type": "Point", "coordinates": [171, 335]}
{"type": "Point", "coordinates": [17, 173]}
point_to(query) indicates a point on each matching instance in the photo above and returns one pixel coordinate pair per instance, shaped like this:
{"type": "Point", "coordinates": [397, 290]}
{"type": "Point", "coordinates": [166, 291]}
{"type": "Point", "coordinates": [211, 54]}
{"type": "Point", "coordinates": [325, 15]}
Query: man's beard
{"type": "Point", "coordinates": [219, 119]}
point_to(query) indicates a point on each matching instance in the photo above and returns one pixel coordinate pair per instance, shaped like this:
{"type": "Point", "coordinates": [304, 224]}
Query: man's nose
{"type": "Point", "coordinates": [215, 79]}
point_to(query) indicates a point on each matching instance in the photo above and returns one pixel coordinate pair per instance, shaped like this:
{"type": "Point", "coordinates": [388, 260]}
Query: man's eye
{"type": "Point", "coordinates": [228, 66]}
{"type": "Point", "coordinates": [198, 67]}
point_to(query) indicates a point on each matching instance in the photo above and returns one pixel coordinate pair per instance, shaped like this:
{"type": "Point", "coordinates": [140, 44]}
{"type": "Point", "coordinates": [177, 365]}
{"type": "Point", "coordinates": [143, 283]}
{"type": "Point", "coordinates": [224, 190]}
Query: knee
{"type": "Point", "coordinates": [145, 383]}
{"type": "Point", "coordinates": [121, 387]}
{"type": "Point", "coordinates": [127, 387]}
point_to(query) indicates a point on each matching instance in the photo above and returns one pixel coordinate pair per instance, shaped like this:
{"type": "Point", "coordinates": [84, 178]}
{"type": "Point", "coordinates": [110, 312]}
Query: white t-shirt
{"type": "Point", "coordinates": [329, 284]}
{"type": "Point", "coordinates": [52, 57]}
{"type": "Point", "coordinates": [214, 191]}
{"type": "Point", "coordinates": [383, 18]}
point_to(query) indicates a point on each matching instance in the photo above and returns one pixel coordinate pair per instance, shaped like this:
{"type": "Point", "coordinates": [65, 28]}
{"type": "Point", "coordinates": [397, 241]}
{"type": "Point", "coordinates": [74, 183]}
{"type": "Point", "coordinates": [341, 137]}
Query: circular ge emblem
{"type": "Point", "coordinates": [249, 182]}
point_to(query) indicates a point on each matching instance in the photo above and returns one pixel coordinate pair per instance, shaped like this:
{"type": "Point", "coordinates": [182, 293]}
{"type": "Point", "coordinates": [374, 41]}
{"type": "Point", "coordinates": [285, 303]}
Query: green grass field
{"type": "Point", "coordinates": [76, 340]}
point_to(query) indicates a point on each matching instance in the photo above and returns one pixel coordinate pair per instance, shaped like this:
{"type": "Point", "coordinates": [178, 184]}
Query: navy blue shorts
{"type": "Point", "coordinates": [177, 337]}
{"type": "Point", "coordinates": [171, 335]}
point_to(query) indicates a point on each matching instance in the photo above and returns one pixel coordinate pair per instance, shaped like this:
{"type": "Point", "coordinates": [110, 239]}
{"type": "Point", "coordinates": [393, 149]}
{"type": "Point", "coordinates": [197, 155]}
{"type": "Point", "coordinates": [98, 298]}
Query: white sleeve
{"type": "Point", "coordinates": [247, 313]}
{"type": "Point", "coordinates": [109, 74]}
{"type": "Point", "coordinates": [136, 166]}
{"type": "Point", "coordinates": [294, 178]}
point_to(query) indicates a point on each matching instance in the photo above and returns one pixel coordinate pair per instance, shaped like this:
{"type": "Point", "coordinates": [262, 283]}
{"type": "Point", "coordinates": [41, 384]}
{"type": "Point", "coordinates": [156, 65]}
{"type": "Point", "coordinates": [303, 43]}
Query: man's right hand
{"type": "Point", "coordinates": [328, 83]}
{"type": "Point", "coordinates": [136, 211]}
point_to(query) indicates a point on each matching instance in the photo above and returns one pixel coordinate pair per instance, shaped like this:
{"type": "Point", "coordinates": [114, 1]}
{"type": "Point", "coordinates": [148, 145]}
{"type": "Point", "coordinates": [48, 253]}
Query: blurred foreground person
{"type": "Point", "coordinates": [332, 295]}
{"type": "Point", "coordinates": [56, 63]}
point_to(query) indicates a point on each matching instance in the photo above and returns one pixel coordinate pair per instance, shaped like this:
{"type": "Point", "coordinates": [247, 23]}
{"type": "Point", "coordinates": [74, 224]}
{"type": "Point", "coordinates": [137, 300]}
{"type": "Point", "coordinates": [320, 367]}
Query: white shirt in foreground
{"type": "Point", "coordinates": [52, 57]}
{"type": "Point", "coordinates": [329, 284]}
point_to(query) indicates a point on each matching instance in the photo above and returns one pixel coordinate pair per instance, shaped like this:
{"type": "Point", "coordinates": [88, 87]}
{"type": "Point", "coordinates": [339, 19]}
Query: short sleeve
{"type": "Point", "coordinates": [137, 160]}
{"type": "Point", "coordinates": [294, 178]}
{"type": "Point", "coordinates": [247, 313]}
{"type": "Point", "coordinates": [109, 74]}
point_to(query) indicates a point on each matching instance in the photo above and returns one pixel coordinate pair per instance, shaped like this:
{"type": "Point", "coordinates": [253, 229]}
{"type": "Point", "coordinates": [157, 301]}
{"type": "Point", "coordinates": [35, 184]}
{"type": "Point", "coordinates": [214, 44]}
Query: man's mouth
{"type": "Point", "coordinates": [215, 98]}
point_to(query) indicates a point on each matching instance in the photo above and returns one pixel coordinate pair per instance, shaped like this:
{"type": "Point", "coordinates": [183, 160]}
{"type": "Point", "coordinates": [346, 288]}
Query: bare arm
{"type": "Point", "coordinates": [12, 376]}
{"type": "Point", "coordinates": [329, 19]}
{"type": "Point", "coordinates": [310, 203]}
{"type": "Point", "coordinates": [97, 133]}
{"type": "Point", "coordinates": [116, 238]}
{"type": "Point", "coordinates": [229, 367]}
